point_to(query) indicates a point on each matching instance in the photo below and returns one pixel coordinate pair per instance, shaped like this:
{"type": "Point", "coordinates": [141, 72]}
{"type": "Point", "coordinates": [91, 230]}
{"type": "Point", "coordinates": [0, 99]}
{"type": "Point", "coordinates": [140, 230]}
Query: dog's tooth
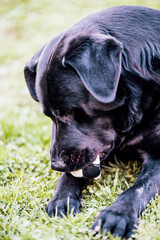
{"type": "Point", "coordinates": [97, 161]}
{"type": "Point", "coordinates": [77, 173]}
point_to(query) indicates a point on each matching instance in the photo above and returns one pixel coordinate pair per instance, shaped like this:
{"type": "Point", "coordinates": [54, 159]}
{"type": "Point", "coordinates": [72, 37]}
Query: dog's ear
{"type": "Point", "coordinates": [97, 60]}
{"type": "Point", "coordinates": [30, 71]}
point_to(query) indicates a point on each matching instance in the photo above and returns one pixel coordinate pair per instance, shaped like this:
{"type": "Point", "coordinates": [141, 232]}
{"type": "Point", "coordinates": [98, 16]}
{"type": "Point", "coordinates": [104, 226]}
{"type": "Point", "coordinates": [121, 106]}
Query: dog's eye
{"type": "Point", "coordinates": [80, 116]}
{"type": "Point", "coordinates": [67, 113]}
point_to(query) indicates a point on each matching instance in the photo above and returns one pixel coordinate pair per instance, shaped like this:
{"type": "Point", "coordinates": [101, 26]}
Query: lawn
{"type": "Point", "coordinates": [26, 180]}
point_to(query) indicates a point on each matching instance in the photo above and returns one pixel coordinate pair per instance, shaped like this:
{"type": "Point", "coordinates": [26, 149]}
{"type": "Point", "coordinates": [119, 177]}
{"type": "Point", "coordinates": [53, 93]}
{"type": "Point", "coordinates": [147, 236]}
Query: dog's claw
{"type": "Point", "coordinates": [118, 223]}
{"type": "Point", "coordinates": [96, 229]}
{"type": "Point", "coordinates": [63, 205]}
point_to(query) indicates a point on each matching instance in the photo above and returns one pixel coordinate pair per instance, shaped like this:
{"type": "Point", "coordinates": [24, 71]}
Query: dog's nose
{"type": "Point", "coordinates": [58, 165]}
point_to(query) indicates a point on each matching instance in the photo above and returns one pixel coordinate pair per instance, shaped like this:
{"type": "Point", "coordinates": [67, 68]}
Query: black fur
{"type": "Point", "coordinates": [99, 81]}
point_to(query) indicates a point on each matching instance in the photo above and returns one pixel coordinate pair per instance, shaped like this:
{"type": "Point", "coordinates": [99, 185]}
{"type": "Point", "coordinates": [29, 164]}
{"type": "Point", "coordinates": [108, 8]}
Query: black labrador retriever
{"type": "Point", "coordinates": [99, 82]}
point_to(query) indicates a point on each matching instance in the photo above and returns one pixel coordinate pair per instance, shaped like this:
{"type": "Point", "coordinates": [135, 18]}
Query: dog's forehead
{"type": "Point", "coordinates": [61, 88]}
{"type": "Point", "coordinates": [66, 89]}
{"type": "Point", "coordinates": [56, 85]}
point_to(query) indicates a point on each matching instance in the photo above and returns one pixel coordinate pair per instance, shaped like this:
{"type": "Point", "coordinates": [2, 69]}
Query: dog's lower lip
{"type": "Point", "coordinates": [103, 155]}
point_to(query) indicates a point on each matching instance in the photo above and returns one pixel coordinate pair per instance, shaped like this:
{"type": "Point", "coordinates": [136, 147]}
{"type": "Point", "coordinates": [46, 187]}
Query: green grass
{"type": "Point", "coordinates": [26, 180]}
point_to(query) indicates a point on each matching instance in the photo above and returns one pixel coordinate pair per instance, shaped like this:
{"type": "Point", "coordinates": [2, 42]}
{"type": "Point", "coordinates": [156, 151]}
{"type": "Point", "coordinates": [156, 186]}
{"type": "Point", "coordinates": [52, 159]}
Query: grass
{"type": "Point", "coordinates": [26, 180]}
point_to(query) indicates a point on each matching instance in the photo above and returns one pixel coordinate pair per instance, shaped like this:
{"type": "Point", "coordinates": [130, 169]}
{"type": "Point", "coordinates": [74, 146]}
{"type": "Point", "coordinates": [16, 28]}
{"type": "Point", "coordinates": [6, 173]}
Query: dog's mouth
{"type": "Point", "coordinates": [82, 172]}
{"type": "Point", "coordinates": [93, 171]}
{"type": "Point", "coordinates": [103, 156]}
{"type": "Point", "coordinates": [99, 158]}
{"type": "Point", "coordinates": [76, 160]}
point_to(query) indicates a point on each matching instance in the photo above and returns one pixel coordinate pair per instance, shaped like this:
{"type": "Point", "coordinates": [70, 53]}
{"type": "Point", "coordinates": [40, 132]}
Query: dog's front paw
{"type": "Point", "coordinates": [118, 222]}
{"type": "Point", "coordinates": [63, 205]}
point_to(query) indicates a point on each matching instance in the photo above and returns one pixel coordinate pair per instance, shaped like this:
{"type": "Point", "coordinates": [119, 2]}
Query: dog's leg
{"type": "Point", "coordinates": [121, 217]}
{"type": "Point", "coordinates": [67, 196]}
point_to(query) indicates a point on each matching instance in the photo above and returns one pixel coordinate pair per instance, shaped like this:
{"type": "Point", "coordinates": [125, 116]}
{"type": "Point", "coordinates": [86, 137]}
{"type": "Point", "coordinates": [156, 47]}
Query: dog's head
{"type": "Point", "coordinates": [75, 78]}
